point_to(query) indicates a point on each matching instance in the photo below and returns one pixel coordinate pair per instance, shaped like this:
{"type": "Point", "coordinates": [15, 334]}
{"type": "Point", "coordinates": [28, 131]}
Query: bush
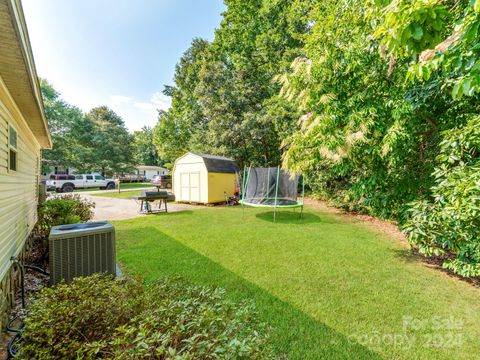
{"type": "Point", "coordinates": [66, 209]}
{"type": "Point", "coordinates": [100, 317]}
{"type": "Point", "coordinates": [448, 224]}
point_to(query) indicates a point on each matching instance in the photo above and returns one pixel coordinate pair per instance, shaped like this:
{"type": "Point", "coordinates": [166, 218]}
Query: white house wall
{"type": "Point", "coordinates": [18, 189]}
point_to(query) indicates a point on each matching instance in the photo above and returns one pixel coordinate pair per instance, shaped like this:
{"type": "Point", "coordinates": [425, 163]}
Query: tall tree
{"type": "Point", "coordinates": [110, 142]}
{"type": "Point", "coordinates": [182, 128]}
{"type": "Point", "coordinates": [144, 150]}
{"type": "Point", "coordinates": [62, 118]}
{"type": "Point", "coordinates": [225, 100]}
{"type": "Point", "coordinates": [255, 41]}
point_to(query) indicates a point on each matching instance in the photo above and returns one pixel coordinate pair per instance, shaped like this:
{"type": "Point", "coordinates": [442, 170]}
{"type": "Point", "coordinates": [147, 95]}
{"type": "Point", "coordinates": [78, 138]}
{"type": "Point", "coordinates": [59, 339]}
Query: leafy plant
{"type": "Point", "coordinates": [101, 317]}
{"type": "Point", "coordinates": [65, 209]}
{"type": "Point", "coordinates": [449, 221]}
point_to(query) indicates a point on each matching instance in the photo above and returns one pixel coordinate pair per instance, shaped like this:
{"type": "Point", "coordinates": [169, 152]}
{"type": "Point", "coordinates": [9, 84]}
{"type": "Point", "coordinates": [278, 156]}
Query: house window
{"type": "Point", "coordinates": [13, 137]}
{"type": "Point", "coordinates": [13, 160]}
{"type": "Point", "coordinates": [12, 149]}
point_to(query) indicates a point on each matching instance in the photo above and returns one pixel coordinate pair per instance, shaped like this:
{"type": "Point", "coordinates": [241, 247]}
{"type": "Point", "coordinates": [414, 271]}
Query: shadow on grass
{"type": "Point", "coordinates": [171, 213]}
{"type": "Point", "coordinates": [152, 254]}
{"type": "Point", "coordinates": [289, 217]}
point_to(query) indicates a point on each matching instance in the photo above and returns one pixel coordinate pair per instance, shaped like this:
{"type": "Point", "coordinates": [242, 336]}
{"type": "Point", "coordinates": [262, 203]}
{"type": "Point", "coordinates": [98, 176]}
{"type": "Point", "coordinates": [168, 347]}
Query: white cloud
{"type": "Point", "coordinates": [161, 101]}
{"type": "Point", "coordinates": [137, 112]}
{"type": "Point", "coordinates": [147, 106]}
{"type": "Point", "coordinates": [120, 99]}
{"type": "Point", "coordinates": [158, 101]}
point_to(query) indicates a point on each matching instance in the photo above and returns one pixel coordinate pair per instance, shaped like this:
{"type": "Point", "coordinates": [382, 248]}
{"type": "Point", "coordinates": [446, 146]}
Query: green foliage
{"type": "Point", "coordinates": [444, 34]}
{"type": "Point", "coordinates": [224, 100]}
{"type": "Point", "coordinates": [409, 27]}
{"type": "Point", "coordinates": [354, 142]}
{"type": "Point", "coordinates": [449, 221]}
{"type": "Point", "coordinates": [64, 121]}
{"type": "Point", "coordinates": [109, 142]}
{"type": "Point", "coordinates": [65, 209]}
{"type": "Point", "coordinates": [144, 151]}
{"type": "Point", "coordinates": [444, 81]}
{"type": "Point", "coordinates": [181, 128]}
{"type": "Point", "coordinates": [100, 317]}
{"type": "Point", "coordinates": [97, 141]}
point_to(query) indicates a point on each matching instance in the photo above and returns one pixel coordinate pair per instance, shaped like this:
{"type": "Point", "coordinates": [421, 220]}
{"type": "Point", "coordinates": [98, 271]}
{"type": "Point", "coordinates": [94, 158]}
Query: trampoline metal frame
{"type": "Point", "coordinates": [244, 186]}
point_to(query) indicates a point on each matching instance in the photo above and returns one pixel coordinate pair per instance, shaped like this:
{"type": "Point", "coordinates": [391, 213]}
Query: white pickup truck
{"type": "Point", "coordinates": [68, 183]}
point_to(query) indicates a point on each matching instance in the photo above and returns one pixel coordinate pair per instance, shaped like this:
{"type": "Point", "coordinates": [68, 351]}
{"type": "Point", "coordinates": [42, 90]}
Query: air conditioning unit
{"type": "Point", "coordinates": [81, 250]}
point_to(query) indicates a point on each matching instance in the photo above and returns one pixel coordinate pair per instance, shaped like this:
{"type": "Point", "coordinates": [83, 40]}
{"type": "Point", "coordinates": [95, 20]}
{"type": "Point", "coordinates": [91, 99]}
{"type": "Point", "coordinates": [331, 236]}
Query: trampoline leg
{"type": "Point", "coordinates": [301, 212]}
{"type": "Point", "coordinates": [275, 215]}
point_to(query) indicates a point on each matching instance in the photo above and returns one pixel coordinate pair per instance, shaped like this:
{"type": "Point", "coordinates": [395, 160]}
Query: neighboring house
{"type": "Point", "coordinates": [144, 173]}
{"type": "Point", "coordinates": [55, 169]}
{"type": "Point", "coordinates": [149, 171]}
{"type": "Point", "coordinates": [23, 133]}
{"type": "Point", "coordinates": [203, 178]}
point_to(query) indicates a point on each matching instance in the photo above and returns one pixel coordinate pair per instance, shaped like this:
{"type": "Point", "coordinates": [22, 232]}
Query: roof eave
{"type": "Point", "coordinates": [18, 20]}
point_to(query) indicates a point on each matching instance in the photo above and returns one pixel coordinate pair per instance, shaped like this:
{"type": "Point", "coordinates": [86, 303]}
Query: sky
{"type": "Point", "coordinates": [118, 53]}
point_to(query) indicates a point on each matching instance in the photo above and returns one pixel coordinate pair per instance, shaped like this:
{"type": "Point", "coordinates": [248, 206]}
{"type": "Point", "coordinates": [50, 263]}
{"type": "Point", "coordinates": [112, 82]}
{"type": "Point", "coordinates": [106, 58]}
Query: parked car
{"type": "Point", "coordinates": [68, 183]}
{"type": "Point", "coordinates": [162, 181]}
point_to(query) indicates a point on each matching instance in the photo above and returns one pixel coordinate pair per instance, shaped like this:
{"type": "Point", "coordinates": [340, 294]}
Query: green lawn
{"type": "Point", "coordinates": [122, 194]}
{"type": "Point", "coordinates": [329, 287]}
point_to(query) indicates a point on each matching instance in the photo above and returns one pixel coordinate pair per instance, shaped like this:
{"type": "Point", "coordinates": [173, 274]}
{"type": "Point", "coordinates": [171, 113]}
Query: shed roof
{"type": "Point", "coordinates": [219, 164]}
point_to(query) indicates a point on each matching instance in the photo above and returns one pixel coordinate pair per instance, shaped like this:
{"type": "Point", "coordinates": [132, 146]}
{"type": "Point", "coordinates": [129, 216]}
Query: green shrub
{"type": "Point", "coordinates": [449, 222]}
{"type": "Point", "coordinates": [66, 209]}
{"type": "Point", "coordinates": [100, 317]}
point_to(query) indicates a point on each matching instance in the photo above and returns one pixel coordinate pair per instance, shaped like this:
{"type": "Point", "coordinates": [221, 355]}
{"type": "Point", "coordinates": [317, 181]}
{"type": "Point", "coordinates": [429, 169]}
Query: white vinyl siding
{"type": "Point", "coordinates": [18, 189]}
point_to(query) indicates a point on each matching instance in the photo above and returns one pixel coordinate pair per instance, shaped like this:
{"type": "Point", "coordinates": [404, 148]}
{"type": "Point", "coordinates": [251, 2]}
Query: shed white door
{"type": "Point", "coordinates": [190, 186]}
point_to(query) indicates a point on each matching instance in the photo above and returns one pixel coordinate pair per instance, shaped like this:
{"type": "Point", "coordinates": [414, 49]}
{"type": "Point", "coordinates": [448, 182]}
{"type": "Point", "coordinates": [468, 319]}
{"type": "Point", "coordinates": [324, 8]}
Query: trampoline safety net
{"type": "Point", "coordinates": [270, 187]}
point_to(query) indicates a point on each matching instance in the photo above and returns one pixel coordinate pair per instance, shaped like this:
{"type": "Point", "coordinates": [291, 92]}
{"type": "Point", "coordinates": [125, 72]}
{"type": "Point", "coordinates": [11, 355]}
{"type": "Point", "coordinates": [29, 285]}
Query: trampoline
{"type": "Point", "coordinates": [271, 187]}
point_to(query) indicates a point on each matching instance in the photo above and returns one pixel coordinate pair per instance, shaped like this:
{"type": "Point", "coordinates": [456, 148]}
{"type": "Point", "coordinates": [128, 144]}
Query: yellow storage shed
{"type": "Point", "coordinates": [203, 178]}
